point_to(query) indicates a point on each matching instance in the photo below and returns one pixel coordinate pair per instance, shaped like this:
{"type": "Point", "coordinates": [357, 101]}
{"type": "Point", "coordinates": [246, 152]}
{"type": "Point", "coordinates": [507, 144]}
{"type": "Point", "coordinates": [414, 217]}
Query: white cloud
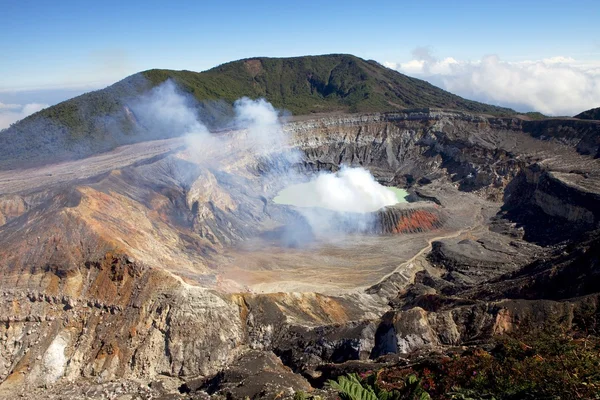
{"type": "Point", "coordinates": [559, 60]}
{"type": "Point", "coordinates": [11, 113]}
{"type": "Point", "coordinates": [9, 106]}
{"type": "Point", "coordinates": [554, 86]}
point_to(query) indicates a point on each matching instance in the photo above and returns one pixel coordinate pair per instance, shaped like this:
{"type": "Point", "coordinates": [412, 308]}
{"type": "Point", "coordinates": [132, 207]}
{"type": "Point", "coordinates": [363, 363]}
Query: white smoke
{"type": "Point", "coordinates": [336, 203]}
{"type": "Point", "coordinates": [256, 131]}
{"type": "Point", "coordinates": [262, 132]}
{"type": "Point", "coordinates": [351, 190]}
{"type": "Point", "coordinates": [166, 111]}
{"type": "Point", "coordinates": [261, 120]}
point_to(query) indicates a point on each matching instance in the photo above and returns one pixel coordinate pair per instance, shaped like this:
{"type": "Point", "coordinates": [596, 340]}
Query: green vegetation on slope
{"type": "Point", "coordinates": [535, 116]}
{"type": "Point", "coordinates": [538, 365]}
{"type": "Point", "coordinates": [98, 121]}
{"type": "Point", "coordinates": [85, 125]}
{"type": "Point", "coordinates": [314, 84]}
{"type": "Point", "coordinates": [593, 113]}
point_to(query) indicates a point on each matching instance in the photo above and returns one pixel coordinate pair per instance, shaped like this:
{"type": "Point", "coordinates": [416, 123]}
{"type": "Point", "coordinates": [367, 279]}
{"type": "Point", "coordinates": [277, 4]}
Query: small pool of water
{"type": "Point", "coordinates": [312, 194]}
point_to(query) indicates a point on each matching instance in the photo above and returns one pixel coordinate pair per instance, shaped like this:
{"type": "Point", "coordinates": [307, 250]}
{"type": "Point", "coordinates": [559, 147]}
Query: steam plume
{"type": "Point", "coordinates": [350, 190]}
{"type": "Point", "coordinates": [334, 201]}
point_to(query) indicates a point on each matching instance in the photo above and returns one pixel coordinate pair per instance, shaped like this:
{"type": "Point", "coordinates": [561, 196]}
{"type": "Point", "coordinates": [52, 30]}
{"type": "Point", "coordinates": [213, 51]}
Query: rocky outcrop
{"type": "Point", "coordinates": [569, 271]}
{"type": "Point", "coordinates": [11, 206]}
{"type": "Point", "coordinates": [255, 375]}
{"type": "Point", "coordinates": [579, 134]}
{"type": "Point", "coordinates": [395, 220]}
{"type": "Point", "coordinates": [418, 329]}
{"type": "Point", "coordinates": [540, 199]}
{"type": "Point", "coordinates": [466, 261]}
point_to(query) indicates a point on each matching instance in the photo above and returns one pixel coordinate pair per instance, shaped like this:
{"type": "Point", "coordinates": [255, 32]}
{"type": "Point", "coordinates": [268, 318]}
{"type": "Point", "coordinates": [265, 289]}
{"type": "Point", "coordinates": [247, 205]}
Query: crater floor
{"type": "Point", "coordinates": [332, 265]}
{"type": "Point", "coordinates": [345, 263]}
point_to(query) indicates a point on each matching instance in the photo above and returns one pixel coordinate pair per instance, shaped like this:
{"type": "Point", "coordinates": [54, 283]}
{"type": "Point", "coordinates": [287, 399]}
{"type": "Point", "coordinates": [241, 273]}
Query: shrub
{"type": "Point", "coordinates": [540, 365]}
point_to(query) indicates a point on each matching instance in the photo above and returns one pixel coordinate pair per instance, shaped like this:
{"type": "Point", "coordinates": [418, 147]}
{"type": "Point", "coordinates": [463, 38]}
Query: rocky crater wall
{"type": "Point", "coordinates": [549, 165]}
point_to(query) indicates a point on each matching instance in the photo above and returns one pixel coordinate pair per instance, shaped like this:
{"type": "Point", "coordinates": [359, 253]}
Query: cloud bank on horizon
{"type": "Point", "coordinates": [556, 86]}
{"type": "Point", "coordinates": [11, 113]}
{"type": "Point", "coordinates": [553, 86]}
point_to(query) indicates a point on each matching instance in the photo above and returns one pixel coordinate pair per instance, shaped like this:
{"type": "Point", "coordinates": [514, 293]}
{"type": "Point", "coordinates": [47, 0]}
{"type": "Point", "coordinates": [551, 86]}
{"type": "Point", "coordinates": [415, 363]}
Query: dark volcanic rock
{"type": "Point", "coordinates": [571, 271]}
{"type": "Point", "coordinates": [255, 375]}
{"type": "Point", "coordinates": [541, 201]}
{"type": "Point", "coordinates": [478, 260]}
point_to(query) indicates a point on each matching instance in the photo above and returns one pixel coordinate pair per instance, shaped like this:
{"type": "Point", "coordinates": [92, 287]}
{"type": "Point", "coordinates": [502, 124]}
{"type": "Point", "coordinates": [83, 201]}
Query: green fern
{"type": "Point", "coordinates": [413, 383]}
{"type": "Point", "coordinates": [350, 387]}
{"type": "Point", "coordinates": [302, 395]}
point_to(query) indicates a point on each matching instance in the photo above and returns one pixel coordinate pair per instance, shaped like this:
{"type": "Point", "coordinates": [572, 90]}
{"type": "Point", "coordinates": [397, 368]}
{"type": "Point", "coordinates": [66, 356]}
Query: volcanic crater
{"type": "Point", "coordinates": [147, 262]}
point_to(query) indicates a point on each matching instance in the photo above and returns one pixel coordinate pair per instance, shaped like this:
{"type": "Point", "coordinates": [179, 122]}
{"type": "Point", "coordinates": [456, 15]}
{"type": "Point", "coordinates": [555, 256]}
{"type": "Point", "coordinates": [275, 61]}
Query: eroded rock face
{"type": "Point", "coordinates": [540, 199]}
{"type": "Point", "coordinates": [118, 319]}
{"type": "Point", "coordinates": [117, 274]}
{"type": "Point", "coordinates": [11, 206]}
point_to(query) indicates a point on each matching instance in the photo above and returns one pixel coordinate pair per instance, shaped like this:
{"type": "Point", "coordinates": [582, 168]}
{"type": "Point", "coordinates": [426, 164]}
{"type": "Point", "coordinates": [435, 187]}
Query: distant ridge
{"type": "Point", "coordinates": [99, 121]}
{"type": "Point", "coordinates": [593, 113]}
{"type": "Point", "coordinates": [313, 84]}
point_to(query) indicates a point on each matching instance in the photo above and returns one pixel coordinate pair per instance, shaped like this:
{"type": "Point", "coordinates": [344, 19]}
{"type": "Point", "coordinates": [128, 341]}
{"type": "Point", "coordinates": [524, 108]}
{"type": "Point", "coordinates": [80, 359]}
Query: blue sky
{"type": "Point", "coordinates": [58, 46]}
